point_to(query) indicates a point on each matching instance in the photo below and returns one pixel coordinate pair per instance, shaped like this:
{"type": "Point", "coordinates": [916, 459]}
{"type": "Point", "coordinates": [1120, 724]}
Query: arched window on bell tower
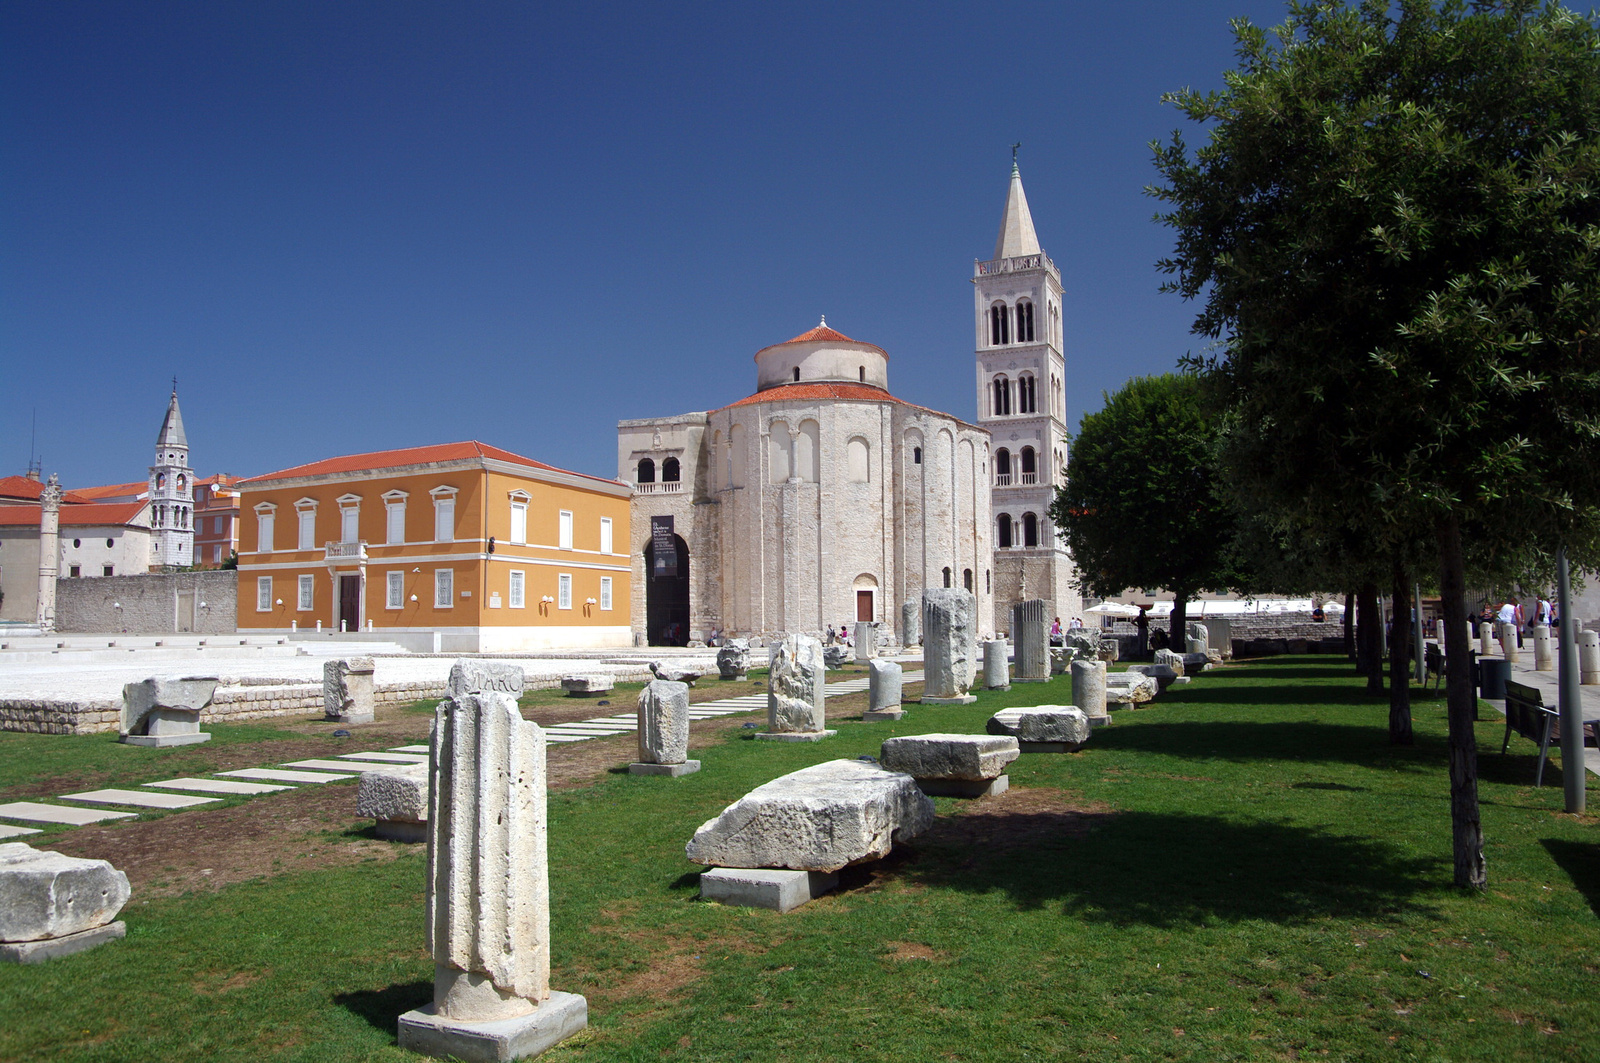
{"type": "Point", "coordinates": [647, 471]}
{"type": "Point", "coordinates": [1024, 321]}
{"type": "Point", "coordinates": [1029, 469]}
{"type": "Point", "coordinates": [1004, 538]}
{"type": "Point", "coordinates": [1002, 396]}
{"type": "Point", "coordinates": [1027, 400]}
{"type": "Point", "coordinates": [999, 325]}
{"type": "Point", "coordinates": [1002, 467]}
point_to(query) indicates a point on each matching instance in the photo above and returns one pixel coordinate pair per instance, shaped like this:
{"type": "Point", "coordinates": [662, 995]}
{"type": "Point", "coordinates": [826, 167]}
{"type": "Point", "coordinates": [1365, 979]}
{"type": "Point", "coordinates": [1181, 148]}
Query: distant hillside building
{"type": "Point", "coordinates": [820, 500]}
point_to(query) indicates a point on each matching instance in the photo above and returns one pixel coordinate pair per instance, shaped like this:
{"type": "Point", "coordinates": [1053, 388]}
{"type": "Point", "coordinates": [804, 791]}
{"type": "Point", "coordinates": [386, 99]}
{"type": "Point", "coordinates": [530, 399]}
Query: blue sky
{"type": "Point", "coordinates": [356, 226]}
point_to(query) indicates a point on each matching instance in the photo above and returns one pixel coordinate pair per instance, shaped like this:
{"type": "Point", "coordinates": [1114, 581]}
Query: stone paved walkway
{"type": "Point", "coordinates": [256, 781]}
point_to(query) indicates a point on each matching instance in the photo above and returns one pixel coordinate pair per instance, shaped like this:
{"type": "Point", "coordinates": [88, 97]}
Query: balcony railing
{"type": "Point", "coordinates": [356, 551]}
{"type": "Point", "coordinates": [1002, 479]}
{"type": "Point", "coordinates": [1030, 478]}
{"type": "Point", "coordinates": [1024, 479]}
{"type": "Point", "coordinates": [1013, 265]}
{"type": "Point", "coordinates": [669, 487]}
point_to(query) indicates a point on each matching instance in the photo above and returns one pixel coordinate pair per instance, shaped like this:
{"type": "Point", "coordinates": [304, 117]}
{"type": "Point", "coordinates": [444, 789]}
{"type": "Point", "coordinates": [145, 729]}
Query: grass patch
{"type": "Point", "coordinates": [1244, 870]}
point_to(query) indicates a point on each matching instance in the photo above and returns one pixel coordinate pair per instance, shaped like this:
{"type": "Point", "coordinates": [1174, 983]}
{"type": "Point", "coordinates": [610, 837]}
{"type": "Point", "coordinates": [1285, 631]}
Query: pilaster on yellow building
{"type": "Point", "coordinates": [493, 551]}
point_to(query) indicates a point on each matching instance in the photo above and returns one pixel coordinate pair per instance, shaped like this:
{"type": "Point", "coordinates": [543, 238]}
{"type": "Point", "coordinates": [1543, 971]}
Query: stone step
{"type": "Point", "coordinates": [279, 775]}
{"type": "Point", "coordinates": [218, 786]}
{"type": "Point", "coordinates": [8, 831]}
{"type": "Point", "coordinates": [34, 812]}
{"type": "Point", "coordinates": [138, 798]}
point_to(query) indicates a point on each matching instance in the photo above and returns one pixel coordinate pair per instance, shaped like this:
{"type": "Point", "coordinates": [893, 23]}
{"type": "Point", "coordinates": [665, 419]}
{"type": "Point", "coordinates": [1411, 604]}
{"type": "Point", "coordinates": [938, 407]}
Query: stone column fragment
{"type": "Point", "coordinates": [1030, 630]}
{"type": "Point", "coordinates": [996, 666]}
{"type": "Point", "coordinates": [1089, 691]}
{"type": "Point", "coordinates": [911, 622]}
{"type": "Point", "coordinates": [1589, 658]}
{"type": "Point", "coordinates": [866, 636]}
{"type": "Point", "coordinates": [1508, 641]}
{"type": "Point", "coordinates": [664, 731]}
{"type": "Point", "coordinates": [950, 646]}
{"type": "Point", "coordinates": [795, 677]}
{"type": "Point", "coordinates": [885, 680]}
{"type": "Point", "coordinates": [1485, 639]}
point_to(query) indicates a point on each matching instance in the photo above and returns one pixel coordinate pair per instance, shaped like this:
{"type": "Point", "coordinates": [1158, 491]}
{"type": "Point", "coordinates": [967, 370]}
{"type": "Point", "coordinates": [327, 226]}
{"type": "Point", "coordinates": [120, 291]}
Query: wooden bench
{"type": "Point", "coordinates": [1527, 715]}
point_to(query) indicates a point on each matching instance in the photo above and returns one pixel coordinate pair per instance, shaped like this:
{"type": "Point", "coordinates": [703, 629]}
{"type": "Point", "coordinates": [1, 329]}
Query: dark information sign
{"type": "Point", "coordinates": [664, 548]}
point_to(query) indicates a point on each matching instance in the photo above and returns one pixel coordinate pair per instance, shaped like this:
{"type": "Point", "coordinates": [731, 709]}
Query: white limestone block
{"type": "Point", "coordinates": [795, 679]}
{"type": "Point", "coordinates": [1130, 688]}
{"type": "Point", "coordinates": [166, 704]}
{"type": "Point", "coordinates": [885, 680]}
{"type": "Point", "coordinates": [347, 690]}
{"type": "Point", "coordinates": [950, 643]}
{"type": "Point", "coordinates": [733, 659]}
{"type": "Point", "coordinates": [676, 673]}
{"type": "Point", "coordinates": [663, 723]}
{"type": "Point", "coordinates": [949, 756]}
{"type": "Point", "coordinates": [399, 793]}
{"type": "Point", "coordinates": [45, 895]}
{"type": "Point", "coordinates": [820, 818]}
{"type": "Point", "coordinates": [996, 665]}
{"type": "Point", "coordinates": [588, 684]}
{"type": "Point", "coordinates": [470, 675]}
{"type": "Point", "coordinates": [1065, 724]}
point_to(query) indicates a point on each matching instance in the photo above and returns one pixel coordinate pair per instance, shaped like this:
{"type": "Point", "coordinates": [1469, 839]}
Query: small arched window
{"type": "Point", "coordinates": [1029, 470]}
{"type": "Point", "coordinates": [947, 576]}
{"type": "Point", "coordinates": [999, 325]}
{"type": "Point", "coordinates": [1030, 530]}
{"type": "Point", "coordinates": [1005, 530]}
{"type": "Point", "coordinates": [797, 372]}
{"type": "Point", "coordinates": [1024, 321]}
{"type": "Point", "coordinates": [1027, 399]}
{"type": "Point", "coordinates": [863, 372]}
{"type": "Point", "coordinates": [1002, 396]}
{"type": "Point", "coordinates": [916, 455]}
{"type": "Point", "coordinates": [161, 479]}
{"type": "Point", "coordinates": [669, 471]}
{"type": "Point", "coordinates": [966, 578]}
{"type": "Point", "coordinates": [647, 471]}
{"type": "Point", "coordinates": [1002, 466]}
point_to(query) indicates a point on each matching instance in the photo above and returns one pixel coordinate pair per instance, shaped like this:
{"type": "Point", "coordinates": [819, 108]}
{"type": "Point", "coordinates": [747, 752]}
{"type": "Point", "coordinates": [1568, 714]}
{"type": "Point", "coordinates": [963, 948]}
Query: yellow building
{"type": "Point", "coordinates": [491, 550]}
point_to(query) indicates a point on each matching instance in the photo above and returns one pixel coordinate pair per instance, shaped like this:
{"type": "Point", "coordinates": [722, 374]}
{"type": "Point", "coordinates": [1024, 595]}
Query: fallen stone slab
{"type": "Point", "coordinates": [139, 798]}
{"type": "Point", "coordinates": [675, 673]}
{"type": "Point", "coordinates": [1130, 688]}
{"type": "Point", "coordinates": [949, 756]}
{"type": "Point", "coordinates": [35, 812]}
{"type": "Point", "coordinates": [45, 894]}
{"type": "Point", "coordinates": [397, 798]}
{"type": "Point", "coordinates": [279, 775]}
{"type": "Point", "coordinates": [1164, 675]}
{"type": "Point", "coordinates": [588, 685]}
{"type": "Point", "coordinates": [218, 786]}
{"type": "Point", "coordinates": [1042, 728]}
{"type": "Point", "coordinates": [820, 818]}
{"type": "Point", "coordinates": [778, 890]}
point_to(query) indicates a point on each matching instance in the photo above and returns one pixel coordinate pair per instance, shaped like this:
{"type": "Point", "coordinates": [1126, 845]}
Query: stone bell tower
{"type": "Point", "coordinates": [1021, 379]}
{"type": "Point", "coordinates": [172, 494]}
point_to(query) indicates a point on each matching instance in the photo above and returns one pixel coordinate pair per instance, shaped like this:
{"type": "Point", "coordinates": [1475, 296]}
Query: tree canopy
{"type": "Point", "coordinates": [1393, 231]}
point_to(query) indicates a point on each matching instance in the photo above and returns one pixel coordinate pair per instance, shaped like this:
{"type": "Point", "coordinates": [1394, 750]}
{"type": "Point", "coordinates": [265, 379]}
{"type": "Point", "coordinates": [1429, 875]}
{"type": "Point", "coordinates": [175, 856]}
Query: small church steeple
{"type": "Point", "coordinates": [172, 493]}
{"type": "Point", "coordinates": [172, 425]}
{"type": "Point", "coordinates": [1016, 224]}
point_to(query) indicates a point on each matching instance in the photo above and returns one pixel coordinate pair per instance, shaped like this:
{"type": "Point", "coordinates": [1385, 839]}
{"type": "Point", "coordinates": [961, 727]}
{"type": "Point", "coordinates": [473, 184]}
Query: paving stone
{"type": "Point", "coordinates": [139, 798]}
{"type": "Point", "coordinates": [279, 775]}
{"type": "Point", "coordinates": [408, 749]}
{"type": "Point", "coordinates": [218, 786]}
{"type": "Point", "coordinates": [8, 831]}
{"type": "Point", "coordinates": [338, 765]}
{"type": "Point", "coordinates": [388, 758]}
{"type": "Point", "coordinates": [34, 812]}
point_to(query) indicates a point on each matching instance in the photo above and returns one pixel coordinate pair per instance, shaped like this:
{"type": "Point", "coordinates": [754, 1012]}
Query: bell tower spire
{"type": "Point", "coordinates": [172, 493]}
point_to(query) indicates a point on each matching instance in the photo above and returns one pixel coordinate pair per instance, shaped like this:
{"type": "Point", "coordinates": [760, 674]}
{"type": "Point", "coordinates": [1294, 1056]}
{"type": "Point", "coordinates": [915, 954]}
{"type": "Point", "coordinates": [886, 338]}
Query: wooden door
{"type": "Point", "coordinates": [350, 602]}
{"type": "Point", "coordinates": [864, 605]}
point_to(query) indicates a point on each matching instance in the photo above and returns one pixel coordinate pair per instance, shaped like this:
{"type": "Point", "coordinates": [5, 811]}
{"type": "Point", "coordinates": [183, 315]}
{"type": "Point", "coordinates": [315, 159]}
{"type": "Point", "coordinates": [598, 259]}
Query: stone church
{"type": "Point", "coordinates": [822, 499]}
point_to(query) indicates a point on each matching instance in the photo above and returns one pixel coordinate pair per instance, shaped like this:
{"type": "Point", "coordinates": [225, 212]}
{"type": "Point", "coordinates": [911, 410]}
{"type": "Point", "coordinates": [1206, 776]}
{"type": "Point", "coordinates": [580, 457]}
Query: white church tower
{"type": "Point", "coordinates": [1022, 402]}
{"type": "Point", "coordinates": [172, 494]}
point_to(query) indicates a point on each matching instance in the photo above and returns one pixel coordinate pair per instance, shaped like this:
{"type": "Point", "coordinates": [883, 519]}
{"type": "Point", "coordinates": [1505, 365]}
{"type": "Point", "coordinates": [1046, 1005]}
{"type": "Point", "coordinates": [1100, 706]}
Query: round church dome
{"type": "Point", "coordinates": [822, 355]}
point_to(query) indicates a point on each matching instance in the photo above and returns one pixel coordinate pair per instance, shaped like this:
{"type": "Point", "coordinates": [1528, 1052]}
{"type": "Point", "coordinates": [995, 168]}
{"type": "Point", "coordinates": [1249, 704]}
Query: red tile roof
{"type": "Point", "coordinates": [94, 494]}
{"type": "Point", "coordinates": [100, 513]}
{"type": "Point", "coordinates": [21, 487]}
{"type": "Point", "coordinates": [822, 333]}
{"type": "Point", "coordinates": [392, 459]}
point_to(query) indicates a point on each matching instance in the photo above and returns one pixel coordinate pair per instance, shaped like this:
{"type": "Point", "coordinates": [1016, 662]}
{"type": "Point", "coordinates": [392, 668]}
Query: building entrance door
{"type": "Point", "coordinates": [350, 603]}
{"type": "Point", "coordinates": [666, 597]}
{"type": "Point", "coordinates": [864, 606]}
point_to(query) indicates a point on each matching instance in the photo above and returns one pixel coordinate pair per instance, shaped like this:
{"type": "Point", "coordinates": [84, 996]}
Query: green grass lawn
{"type": "Point", "coordinates": [1244, 870]}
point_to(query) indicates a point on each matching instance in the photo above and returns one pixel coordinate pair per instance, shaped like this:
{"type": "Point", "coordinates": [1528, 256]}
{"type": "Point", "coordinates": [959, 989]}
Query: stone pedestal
{"type": "Point", "coordinates": [778, 889]}
{"type": "Point", "coordinates": [664, 731]}
{"type": "Point", "coordinates": [996, 666]}
{"type": "Point", "coordinates": [1589, 658]}
{"type": "Point", "coordinates": [949, 646]}
{"type": "Point", "coordinates": [953, 765]}
{"type": "Point", "coordinates": [1089, 689]}
{"type": "Point", "coordinates": [588, 685]}
{"type": "Point", "coordinates": [885, 680]}
{"type": "Point", "coordinates": [488, 916]}
{"type": "Point", "coordinates": [347, 691]}
{"type": "Point", "coordinates": [866, 636]}
{"type": "Point", "coordinates": [795, 677]}
{"type": "Point", "coordinates": [397, 798]}
{"type": "Point", "coordinates": [1544, 659]}
{"type": "Point", "coordinates": [911, 622]}
{"type": "Point", "coordinates": [166, 711]}
{"type": "Point", "coordinates": [1031, 630]}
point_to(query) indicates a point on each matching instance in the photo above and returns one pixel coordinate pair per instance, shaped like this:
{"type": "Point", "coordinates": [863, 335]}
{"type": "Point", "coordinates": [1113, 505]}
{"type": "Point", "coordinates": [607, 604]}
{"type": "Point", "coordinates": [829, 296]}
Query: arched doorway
{"type": "Point", "coordinates": [666, 609]}
{"type": "Point", "coordinates": [865, 587]}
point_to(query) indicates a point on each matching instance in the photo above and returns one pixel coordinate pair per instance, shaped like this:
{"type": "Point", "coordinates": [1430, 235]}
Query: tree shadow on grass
{"type": "Point", "coordinates": [1170, 870]}
{"type": "Point", "coordinates": [1581, 862]}
{"type": "Point", "coordinates": [382, 1008]}
{"type": "Point", "coordinates": [1245, 741]}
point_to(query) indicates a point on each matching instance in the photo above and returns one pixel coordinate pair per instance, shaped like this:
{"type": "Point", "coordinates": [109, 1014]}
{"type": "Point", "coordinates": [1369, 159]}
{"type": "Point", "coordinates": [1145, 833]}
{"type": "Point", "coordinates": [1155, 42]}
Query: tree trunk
{"type": "Point", "coordinates": [1350, 625]}
{"type": "Point", "coordinates": [1465, 827]}
{"type": "Point", "coordinates": [1400, 661]}
{"type": "Point", "coordinates": [1176, 640]}
{"type": "Point", "coordinates": [1369, 640]}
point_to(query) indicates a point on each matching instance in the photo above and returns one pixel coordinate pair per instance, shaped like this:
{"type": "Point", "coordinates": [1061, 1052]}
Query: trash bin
{"type": "Point", "coordinates": [1492, 675]}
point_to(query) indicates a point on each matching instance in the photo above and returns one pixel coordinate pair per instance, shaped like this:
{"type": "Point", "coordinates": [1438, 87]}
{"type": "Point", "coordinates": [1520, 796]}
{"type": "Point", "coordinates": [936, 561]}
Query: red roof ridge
{"type": "Point", "coordinates": [825, 334]}
{"type": "Point", "coordinates": [88, 513]}
{"type": "Point", "coordinates": [423, 455]}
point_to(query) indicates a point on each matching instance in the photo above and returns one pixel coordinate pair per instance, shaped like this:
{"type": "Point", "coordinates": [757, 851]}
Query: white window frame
{"type": "Point", "coordinates": [517, 589]}
{"type": "Point", "coordinates": [605, 593]}
{"type": "Point", "coordinates": [444, 502]}
{"type": "Point", "coordinates": [564, 530]}
{"type": "Point", "coordinates": [306, 593]}
{"type": "Point", "coordinates": [263, 594]}
{"type": "Point", "coordinates": [444, 588]}
{"type": "Point", "coordinates": [349, 518]}
{"type": "Point", "coordinates": [564, 590]}
{"type": "Point", "coordinates": [305, 514]}
{"type": "Point", "coordinates": [607, 539]}
{"type": "Point", "coordinates": [266, 516]}
{"type": "Point", "coordinates": [394, 518]}
{"type": "Point", "coordinates": [395, 589]}
{"type": "Point", "coordinates": [519, 517]}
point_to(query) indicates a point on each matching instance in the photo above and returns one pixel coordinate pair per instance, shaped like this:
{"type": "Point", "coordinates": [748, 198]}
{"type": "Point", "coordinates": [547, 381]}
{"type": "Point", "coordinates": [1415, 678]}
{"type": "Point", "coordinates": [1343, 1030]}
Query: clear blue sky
{"type": "Point", "coordinates": [355, 226]}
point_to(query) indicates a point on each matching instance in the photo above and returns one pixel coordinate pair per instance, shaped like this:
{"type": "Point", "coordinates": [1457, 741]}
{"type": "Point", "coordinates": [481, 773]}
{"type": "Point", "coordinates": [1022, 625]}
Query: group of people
{"type": "Point", "coordinates": [1511, 612]}
{"type": "Point", "coordinates": [1057, 638]}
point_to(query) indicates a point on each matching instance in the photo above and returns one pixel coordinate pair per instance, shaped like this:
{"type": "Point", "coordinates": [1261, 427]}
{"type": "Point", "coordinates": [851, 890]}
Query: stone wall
{"type": "Point", "coordinates": [153, 604]}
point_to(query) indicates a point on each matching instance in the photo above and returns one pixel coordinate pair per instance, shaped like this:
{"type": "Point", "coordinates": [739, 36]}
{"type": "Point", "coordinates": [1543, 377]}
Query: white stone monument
{"type": "Point", "coordinates": [795, 677]}
{"type": "Point", "coordinates": [996, 665]}
{"type": "Point", "coordinates": [885, 681]}
{"type": "Point", "coordinates": [488, 916]}
{"type": "Point", "coordinates": [664, 731]}
{"type": "Point", "coordinates": [949, 646]}
{"type": "Point", "coordinates": [348, 695]}
{"type": "Point", "coordinates": [1031, 630]}
{"type": "Point", "coordinates": [165, 711]}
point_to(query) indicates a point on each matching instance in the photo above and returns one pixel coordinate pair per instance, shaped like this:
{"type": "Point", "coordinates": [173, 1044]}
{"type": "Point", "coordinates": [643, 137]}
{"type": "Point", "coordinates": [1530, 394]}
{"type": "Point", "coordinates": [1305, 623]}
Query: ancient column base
{"type": "Point", "coordinates": [166, 741]}
{"type": "Point", "coordinates": [559, 1017]}
{"type": "Point", "coordinates": [779, 889]}
{"type": "Point", "coordinates": [874, 715]}
{"type": "Point", "coordinates": [963, 699]}
{"type": "Point", "coordinates": [794, 736]}
{"type": "Point", "coordinates": [966, 787]}
{"type": "Point", "coordinates": [54, 948]}
{"type": "Point", "coordinates": [688, 767]}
